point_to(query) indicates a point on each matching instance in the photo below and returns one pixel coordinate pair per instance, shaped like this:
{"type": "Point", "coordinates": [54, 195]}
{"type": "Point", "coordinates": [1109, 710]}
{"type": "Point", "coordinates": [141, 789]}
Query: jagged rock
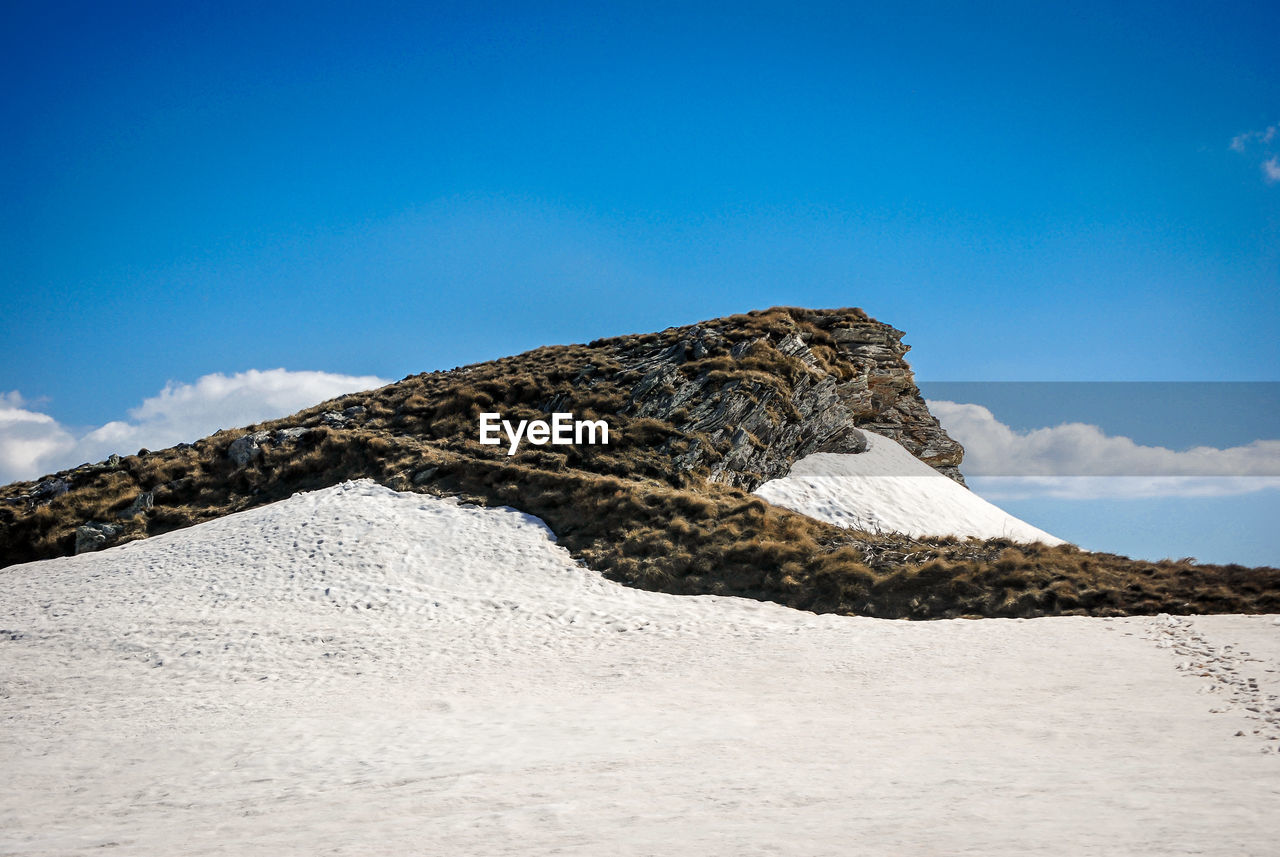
{"type": "Point", "coordinates": [758, 433]}
{"type": "Point", "coordinates": [794, 346]}
{"type": "Point", "coordinates": [141, 503]}
{"type": "Point", "coordinates": [333, 419]}
{"type": "Point", "coordinates": [48, 490]}
{"type": "Point", "coordinates": [96, 535]}
{"type": "Point", "coordinates": [741, 400]}
{"type": "Point", "coordinates": [247, 448]}
{"type": "Point", "coordinates": [291, 435]}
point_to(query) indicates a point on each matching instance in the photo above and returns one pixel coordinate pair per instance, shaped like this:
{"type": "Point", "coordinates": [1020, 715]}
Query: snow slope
{"type": "Point", "coordinates": [360, 672]}
{"type": "Point", "coordinates": [887, 488]}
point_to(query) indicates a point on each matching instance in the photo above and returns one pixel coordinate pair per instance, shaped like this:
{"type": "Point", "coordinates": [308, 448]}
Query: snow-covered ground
{"type": "Point", "coordinates": [360, 672]}
{"type": "Point", "coordinates": [887, 489]}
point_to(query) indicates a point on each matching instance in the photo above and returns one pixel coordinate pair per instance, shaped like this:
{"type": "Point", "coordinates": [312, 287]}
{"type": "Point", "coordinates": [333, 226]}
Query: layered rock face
{"type": "Point", "coordinates": [698, 416]}
{"type": "Point", "coordinates": [733, 401]}
{"type": "Point", "coordinates": [854, 375]}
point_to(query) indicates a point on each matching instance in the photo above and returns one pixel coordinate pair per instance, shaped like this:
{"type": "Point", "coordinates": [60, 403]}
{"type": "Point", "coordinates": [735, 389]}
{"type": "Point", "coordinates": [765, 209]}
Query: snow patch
{"type": "Point", "coordinates": [887, 488]}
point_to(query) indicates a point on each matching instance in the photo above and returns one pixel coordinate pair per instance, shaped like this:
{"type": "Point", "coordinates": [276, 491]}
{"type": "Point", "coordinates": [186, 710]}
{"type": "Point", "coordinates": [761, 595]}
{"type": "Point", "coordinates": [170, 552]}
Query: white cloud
{"type": "Point", "coordinates": [1267, 135]}
{"type": "Point", "coordinates": [1117, 487]}
{"type": "Point", "coordinates": [1080, 460]}
{"type": "Point", "coordinates": [1265, 141]}
{"type": "Point", "coordinates": [26, 437]}
{"type": "Point", "coordinates": [34, 443]}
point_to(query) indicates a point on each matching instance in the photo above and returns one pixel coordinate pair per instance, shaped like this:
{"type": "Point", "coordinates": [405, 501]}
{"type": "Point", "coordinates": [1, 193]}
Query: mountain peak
{"type": "Point", "coordinates": [696, 417]}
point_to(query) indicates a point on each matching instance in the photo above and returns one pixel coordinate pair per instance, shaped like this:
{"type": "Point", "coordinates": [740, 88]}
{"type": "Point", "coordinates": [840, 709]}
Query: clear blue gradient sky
{"type": "Point", "coordinates": [1032, 191]}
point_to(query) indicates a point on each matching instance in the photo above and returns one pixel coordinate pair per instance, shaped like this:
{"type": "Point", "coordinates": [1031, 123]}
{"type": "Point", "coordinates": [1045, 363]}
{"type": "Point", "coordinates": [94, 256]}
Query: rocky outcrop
{"type": "Point", "coordinates": [333, 419]}
{"type": "Point", "coordinates": [244, 450]}
{"type": "Point", "coordinates": [732, 401]}
{"type": "Point", "coordinates": [141, 504]}
{"type": "Point", "coordinates": [47, 491]}
{"type": "Point", "coordinates": [698, 416]}
{"type": "Point", "coordinates": [96, 535]}
{"type": "Point", "coordinates": [845, 372]}
{"type": "Point", "coordinates": [249, 448]}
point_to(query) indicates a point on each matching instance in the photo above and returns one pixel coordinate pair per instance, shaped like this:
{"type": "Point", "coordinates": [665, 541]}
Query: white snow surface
{"type": "Point", "coordinates": [361, 672]}
{"type": "Point", "coordinates": [887, 489]}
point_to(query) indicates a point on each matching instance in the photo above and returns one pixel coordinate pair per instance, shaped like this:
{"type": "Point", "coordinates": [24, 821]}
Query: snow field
{"type": "Point", "coordinates": [360, 672]}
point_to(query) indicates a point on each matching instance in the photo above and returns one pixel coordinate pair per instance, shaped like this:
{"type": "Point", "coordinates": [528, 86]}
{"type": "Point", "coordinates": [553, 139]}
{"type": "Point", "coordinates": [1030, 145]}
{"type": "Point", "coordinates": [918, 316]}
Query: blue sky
{"type": "Point", "coordinates": [1034, 192]}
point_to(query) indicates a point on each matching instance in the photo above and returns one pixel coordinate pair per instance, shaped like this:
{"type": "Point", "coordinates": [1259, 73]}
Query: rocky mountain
{"type": "Point", "coordinates": [845, 370]}
{"type": "Point", "coordinates": [698, 417]}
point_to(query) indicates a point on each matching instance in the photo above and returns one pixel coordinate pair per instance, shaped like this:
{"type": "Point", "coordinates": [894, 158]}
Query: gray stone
{"type": "Point", "coordinates": [353, 411]}
{"type": "Point", "coordinates": [422, 477]}
{"type": "Point", "coordinates": [48, 490]}
{"type": "Point", "coordinates": [794, 346]}
{"type": "Point", "coordinates": [333, 419]}
{"type": "Point", "coordinates": [96, 535]}
{"type": "Point", "coordinates": [291, 435]}
{"type": "Point", "coordinates": [140, 504]}
{"type": "Point", "coordinates": [247, 448]}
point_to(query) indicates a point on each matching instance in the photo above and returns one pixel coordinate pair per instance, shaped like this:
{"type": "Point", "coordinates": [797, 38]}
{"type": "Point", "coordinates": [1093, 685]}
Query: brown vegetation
{"type": "Point", "coordinates": [625, 509]}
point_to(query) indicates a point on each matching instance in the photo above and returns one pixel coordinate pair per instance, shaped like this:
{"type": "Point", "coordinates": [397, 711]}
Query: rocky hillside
{"type": "Point", "coordinates": [842, 371]}
{"type": "Point", "coordinates": [699, 416]}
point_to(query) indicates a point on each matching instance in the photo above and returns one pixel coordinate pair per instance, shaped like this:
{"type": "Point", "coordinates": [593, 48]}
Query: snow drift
{"type": "Point", "coordinates": [357, 671]}
{"type": "Point", "coordinates": [886, 488]}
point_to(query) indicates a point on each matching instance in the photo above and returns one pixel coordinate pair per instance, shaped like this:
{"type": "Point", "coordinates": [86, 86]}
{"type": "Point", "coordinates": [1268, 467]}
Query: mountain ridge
{"type": "Point", "coordinates": [702, 415]}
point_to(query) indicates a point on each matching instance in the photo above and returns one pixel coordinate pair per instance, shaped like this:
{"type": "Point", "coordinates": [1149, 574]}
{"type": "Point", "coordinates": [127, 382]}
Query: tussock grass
{"type": "Point", "coordinates": [626, 509]}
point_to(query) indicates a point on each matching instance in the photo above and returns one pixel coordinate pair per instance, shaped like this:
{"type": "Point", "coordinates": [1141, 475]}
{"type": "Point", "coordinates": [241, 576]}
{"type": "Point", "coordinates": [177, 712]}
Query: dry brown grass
{"type": "Point", "coordinates": [625, 509]}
